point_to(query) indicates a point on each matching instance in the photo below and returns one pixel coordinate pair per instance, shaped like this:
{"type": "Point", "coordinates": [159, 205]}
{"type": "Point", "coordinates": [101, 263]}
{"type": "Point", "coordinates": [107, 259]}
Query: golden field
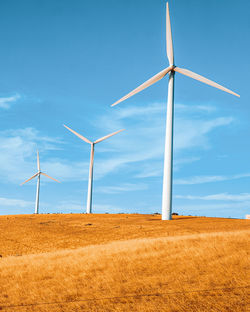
{"type": "Point", "coordinates": [78, 262]}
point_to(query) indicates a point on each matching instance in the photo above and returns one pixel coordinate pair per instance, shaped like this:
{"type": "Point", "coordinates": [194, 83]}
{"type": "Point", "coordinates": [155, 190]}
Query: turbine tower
{"type": "Point", "coordinates": [38, 174]}
{"type": "Point", "coordinates": [91, 165]}
{"type": "Point", "coordinates": [168, 155]}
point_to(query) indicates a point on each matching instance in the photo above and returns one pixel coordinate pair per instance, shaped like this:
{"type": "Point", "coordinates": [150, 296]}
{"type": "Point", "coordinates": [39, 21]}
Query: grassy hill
{"type": "Point", "coordinates": [78, 262]}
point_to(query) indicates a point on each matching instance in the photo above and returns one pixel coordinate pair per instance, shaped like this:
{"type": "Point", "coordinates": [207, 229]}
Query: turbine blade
{"type": "Point", "coordinates": [169, 42]}
{"type": "Point", "coordinates": [30, 178]}
{"type": "Point", "coordinates": [38, 162]}
{"type": "Point", "coordinates": [50, 177]}
{"type": "Point", "coordinates": [79, 135]}
{"type": "Point", "coordinates": [146, 84]}
{"type": "Point", "coordinates": [195, 76]}
{"type": "Point", "coordinates": [108, 136]}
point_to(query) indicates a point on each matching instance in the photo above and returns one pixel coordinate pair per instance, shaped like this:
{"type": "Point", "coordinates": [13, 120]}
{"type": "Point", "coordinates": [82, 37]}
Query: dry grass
{"type": "Point", "coordinates": [123, 263]}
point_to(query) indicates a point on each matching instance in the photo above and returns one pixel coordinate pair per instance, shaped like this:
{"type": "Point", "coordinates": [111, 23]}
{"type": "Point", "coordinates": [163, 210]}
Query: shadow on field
{"type": "Point", "coordinates": [181, 218]}
{"type": "Point", "coordinates": [174, 219]}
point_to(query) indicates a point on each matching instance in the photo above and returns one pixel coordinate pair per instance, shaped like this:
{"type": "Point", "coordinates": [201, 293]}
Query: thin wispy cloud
{"type": "Point", "coordinates": [14, 203]}
{"type": "Point", "coordinates": [106, 208]}
{"type": "Point", "coordinates": [140, 111]}
{"type": "Point", "coordinates": [128, 187]}
{"type": "Point", "coordinates": [233, 209]}
{"type": "Point", "coordinates": [209, 179]}
{"type": "Point", "coordinates": [80, 207]}
{"type": "Point", "coordinates": [18, 152]}
{"type": "Point", "coordinates": [180, 108]}
{"type": "Point", "coordinates": [69, 205]}
{"type": "Point", "coordinates": [144, 139]}
{"type": "Point", "coordinates": [193, 133]}
{"type": "Point", "coordinates": [220, 197]}
{"type": "Point", "coordinates": [149, 170]}
{"type": "Point", "coordinates": [5, 102]}
{"type": "Point", "coordinates": [179, 162]}
{"type": "Point", "coordinates": [66, 171]}
{"type": "Point", "coordinates": [142, 143]}
{"type": "Point", "coordinates": [148, 123]}
{"type": "Point", "coordinates": [155, 168]}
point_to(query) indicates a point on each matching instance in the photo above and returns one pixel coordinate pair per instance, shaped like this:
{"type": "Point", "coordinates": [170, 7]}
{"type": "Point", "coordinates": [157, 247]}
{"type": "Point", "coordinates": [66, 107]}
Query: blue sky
{"type": "Point", "coordinates": [67, 61]}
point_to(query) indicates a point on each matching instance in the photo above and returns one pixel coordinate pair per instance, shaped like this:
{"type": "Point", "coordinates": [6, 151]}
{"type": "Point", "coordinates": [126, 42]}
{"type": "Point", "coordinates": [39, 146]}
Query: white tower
{"type": "Point", "coordinates": [38, 174]}
{"type": "Point", "coordinates": [91, 164]}
{"type": "Point", "coordinates": [168, 156]}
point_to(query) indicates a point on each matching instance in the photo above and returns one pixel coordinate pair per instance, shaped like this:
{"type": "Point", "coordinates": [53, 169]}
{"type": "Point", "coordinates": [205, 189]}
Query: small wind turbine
{"type": "Point", "coordinates": [91, 165]}
{"type": "Point", "coordinates": [168, 157]}
{"type": "Point", "coordinates": [38, 182]}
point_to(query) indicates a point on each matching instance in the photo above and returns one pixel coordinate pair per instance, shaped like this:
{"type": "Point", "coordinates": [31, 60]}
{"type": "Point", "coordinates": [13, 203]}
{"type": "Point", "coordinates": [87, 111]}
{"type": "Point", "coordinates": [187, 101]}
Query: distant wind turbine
{"type": "Point", "coordinates": [168, 156]}
{"type": "Point", "coordinates": [91, 165]}
{"type": "Point", "coordinates": [38, 182]}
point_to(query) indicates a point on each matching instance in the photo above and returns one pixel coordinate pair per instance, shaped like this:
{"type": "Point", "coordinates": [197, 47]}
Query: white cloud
{"type": "Point", "coordinates": [181, 161]}
{"type": "Point", "coordinates": [69, 205]}
{"type": "Point", "coordinates": [106, 208]}
{"type": "Point", "coordinates": [207, 179]}
{"type": "Point", "coordinates": [226, 209]}
{"type": "Point", "coordinates": [155, 168]}
{"type": "Point", "coordinates": [11, 204]}
{"type": "Point", "coordinates": [6, 101]}
{"type": "Point", "coordinates": [141, 111]}
{"type": "Point", "coordinates": [144, 138]}
{"type": "Point", "coordinates": [14, 206]}
{"type": "Point", "coordinates": [122, 160]}
{"type": "Point", "coordinates": [142, 143]}
{"type": "Point", "coordinates": [148, 123]}
{"type": "Point", "coordinates": [128, 187]}
{"type": "Point", "coordinates": [159, 108]}
{"type": "Point", "coordinates": [149, 170]}
{"type": "Point", "coordinates": [190, 133]}
{"type": "Point", "coordinates": [220, 196]}
{"type": "Point", "coordinates": [18, 158]}
{"type": "Point", "coordinates": [18, 152]}
{"type": "Point", "coordinates": [64, 170]}
{"type": "Point", "coordinates": [193, 108]}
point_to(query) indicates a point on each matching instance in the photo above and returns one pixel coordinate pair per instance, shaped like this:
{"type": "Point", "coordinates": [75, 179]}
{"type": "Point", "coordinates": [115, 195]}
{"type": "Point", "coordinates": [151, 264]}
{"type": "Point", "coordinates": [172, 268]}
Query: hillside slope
{"type": "Point", "coordinates": [123, 263]}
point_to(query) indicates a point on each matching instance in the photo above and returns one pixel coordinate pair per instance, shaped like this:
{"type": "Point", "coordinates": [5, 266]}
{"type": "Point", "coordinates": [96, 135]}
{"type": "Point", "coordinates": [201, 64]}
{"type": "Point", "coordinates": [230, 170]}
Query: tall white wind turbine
{"type": "Point", "coordinates": [38, 174]}
{"type": "Point", "coordinates": [168, 156]}
{"type": "Point", "coordinates": [91, 165]}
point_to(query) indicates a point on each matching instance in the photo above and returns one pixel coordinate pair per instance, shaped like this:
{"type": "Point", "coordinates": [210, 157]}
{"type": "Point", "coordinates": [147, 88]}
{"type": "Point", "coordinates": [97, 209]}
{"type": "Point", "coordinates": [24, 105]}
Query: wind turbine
{"type": "Point", "coordinates": [91, 165]}
{"type": "Point", "coordinates": [168, 155]}
{"type": "Point", "coordinates": [38, 174]}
